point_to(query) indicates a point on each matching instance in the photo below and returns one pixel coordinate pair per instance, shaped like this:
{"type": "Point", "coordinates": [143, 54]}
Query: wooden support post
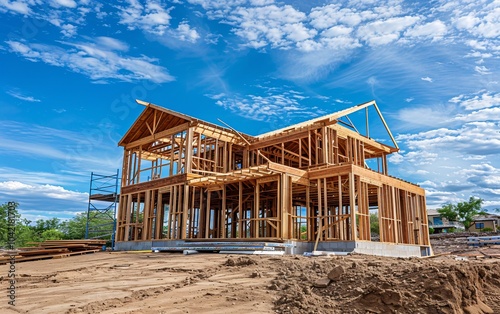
{"type": "Point", "coordinates": [309, 147]}
{"type": "Point", "coordinates": [319, 216]}
{"type": "Point", "coordinates": [394, 213]}
{"type": "Point", "coordinates": [223, 212]}
{"type": "Point", "coordinates": [185, 210]}
{"type": "Point", "coordinates": [145, 216]}
{"type": "Point", "coordinates": [309, 220]}
{"type": "Point", "coordinates": [160, 215]}
{"type": "Point", "coordinates": [256, 209]}
{"type": "Point", "coordinates": [325, 207]}
{"type": "Point", "coordinates": [282, 153]}
{"type": "Point", "coordinates": [189, 150]}
{"type": "Point", "coordinates": [343, 230]}
{"type": "Point", "coordinates": [325, 144]}
{"type": "Point", "coordinates": [128, 218]}
{"type": "Point", "coordinates": [170, 213]}
{"type": "Point", "coordinates": [384, 161]}
{"type": "Point", "coordinates": [203, 217]}
{"type": "Point", "coordinates": [172, 155]}
{"type": "Point", "coordinates": [352, 205]}
{"type": "Point", "coordinates": [380, 214]}
{"type": "Point", "coordinates": [139, 158]}
{"type": "Point", "coordinates": [207, 215]}
{"type": "Point", "coordinates": [300, 153]}
{"type": "Point", "coordinates": [240, 210]}
{"type": "Point", "coordinates": [192, 214]}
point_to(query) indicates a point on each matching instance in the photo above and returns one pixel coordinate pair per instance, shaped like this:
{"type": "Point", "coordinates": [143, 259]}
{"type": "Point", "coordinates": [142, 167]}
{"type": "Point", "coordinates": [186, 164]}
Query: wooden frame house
{"type": "Point", "coordinates": [184, 179]}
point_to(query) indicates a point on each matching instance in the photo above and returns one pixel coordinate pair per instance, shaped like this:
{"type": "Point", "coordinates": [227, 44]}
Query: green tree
{"type": "Point", "coordinates": [52, 234]}
{"type": "Point", "coordinates": [463, 212]}
{"type": "Point", "coordinates": [75, 227]}
{"type": "Point", "coordinates": [374, 224]}
{"type": "Point", "coordinates": [43, 225]}
{"type": "Point", "coordinates": [23, 232]}
{"type": "Point", "coordinates": [3, 224]}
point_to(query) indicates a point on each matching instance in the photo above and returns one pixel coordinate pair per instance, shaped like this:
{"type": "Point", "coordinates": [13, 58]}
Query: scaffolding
{"type": "Point", "coordinates": [101, 212]}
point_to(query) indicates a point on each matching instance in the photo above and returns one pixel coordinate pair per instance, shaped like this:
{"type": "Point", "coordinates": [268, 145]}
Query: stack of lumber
{"type": "Point", "coordinates": [54, 249]}
{"type": "Point", "coordinates": [483, 241]}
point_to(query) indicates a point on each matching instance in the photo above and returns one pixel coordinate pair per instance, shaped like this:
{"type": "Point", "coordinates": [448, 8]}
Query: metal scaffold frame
{"type": "Point", "coordinates": [103, 197]}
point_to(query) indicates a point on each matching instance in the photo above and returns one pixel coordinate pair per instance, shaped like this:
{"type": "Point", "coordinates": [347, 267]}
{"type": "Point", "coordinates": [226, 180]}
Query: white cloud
{"type": "Point", "coordinates": [427, 79]}
{"type": "Point", "coordinates": [186, 33]}
{"type": "Point", "coordinates": [109, 43]}
{"type": "Point", "coordinates": [434, 30]}
{"type": "Point", "coordinates": [16, 188]}
{"type": "Point", "coordinates": [95, 60]}
{"type": "Point", "coordinates": [67, 15]}
{"type": "Point", "coordinates": [333, 14]}
{"type": "Point", "coordinates": [473, 138]}
{"type": "Point", "coordinates": [272, 108]}
{"type": "Point", "coordinates": [459, 160]}
{"type": "Point", "coordinates": [42, 201]}
{"type": "Point", "coordinates": [480, 100]}
{"type": "Point", "coordinates": [429, 116]}
{"type": "Point", "coordinates": [21, 96]}
{"type": "Point", "coordinates": [61, 150]}
{"type": "Point", "coordinates": [482, 70]}
{"type": "Point", "coordinates": [311, 66]}
{"type": "Point", "coordinates": [382, 32]}
{"type": "Point", "coordinates": [396, 158]}
{"type": "Point", "coordinates": [488, 114]}
{"type": "Point", "coordinates": [216, 96]}
{"type": "Point", "coordinates": [68, 30]}
{"type": "Point", "coordinates": [152, 17]}
{"type": "Point", "coordinates": [280, 26]}
{"type": "Point", "coordinates": [20, 7]}
{"type": "Point", "coordinates": [65, 3]}
{"type": "Point", "coordinates": [41, 178]}
{"type": "Point", "coordinates": [336, 32]}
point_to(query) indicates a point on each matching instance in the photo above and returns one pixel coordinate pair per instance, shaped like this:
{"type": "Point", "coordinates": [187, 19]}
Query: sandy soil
{"type": "Point", "coordinates": [214, 283]}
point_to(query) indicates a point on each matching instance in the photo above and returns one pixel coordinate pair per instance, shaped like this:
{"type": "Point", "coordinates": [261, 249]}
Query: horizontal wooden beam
{"type": "Point", "coordinates": [343, 132]}
{"type": "Point", "coordinates": [397, 183]}
{"type": "Point", "coordinates": [154, 184]}
{"type": "Point", "coordinates": [151, 138]}
{"type": "Point", "coordinates": [279, 139]}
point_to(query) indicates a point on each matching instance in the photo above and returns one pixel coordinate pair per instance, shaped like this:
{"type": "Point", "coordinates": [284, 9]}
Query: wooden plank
{"type": "Point", "coordinates": [352, 205]}
{"type": "Point", "coordinates": [159, 135]}
{"type": "Point", "coordinates": [159, 183]}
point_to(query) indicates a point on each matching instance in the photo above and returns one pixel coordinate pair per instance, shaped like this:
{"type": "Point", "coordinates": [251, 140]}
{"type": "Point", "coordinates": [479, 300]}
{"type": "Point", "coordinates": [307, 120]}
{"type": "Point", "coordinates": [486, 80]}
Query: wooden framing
{"type": "Point", "coordinates": [184, 178]}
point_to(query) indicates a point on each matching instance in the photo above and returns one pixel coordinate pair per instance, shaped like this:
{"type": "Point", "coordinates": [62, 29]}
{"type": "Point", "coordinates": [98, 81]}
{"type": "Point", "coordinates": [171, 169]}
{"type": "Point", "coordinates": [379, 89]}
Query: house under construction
{"type": "Point", "coordinates": [187, 182]}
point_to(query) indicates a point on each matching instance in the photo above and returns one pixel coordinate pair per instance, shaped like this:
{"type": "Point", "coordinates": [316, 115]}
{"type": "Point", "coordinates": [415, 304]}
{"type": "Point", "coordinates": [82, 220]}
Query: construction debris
{"type": "Point", "coordinates": [53, 249]}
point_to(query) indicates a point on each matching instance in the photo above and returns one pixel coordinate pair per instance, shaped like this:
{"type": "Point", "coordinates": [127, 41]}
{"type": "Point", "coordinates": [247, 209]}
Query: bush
{"type": "Point", "coordinates": [487, 230]}
{"type": "Point", "coordinates": [431, 230]}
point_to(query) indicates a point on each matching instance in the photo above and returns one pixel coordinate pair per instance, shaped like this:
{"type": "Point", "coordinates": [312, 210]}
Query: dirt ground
{"type": "Point", "coordinates": [118, 282]}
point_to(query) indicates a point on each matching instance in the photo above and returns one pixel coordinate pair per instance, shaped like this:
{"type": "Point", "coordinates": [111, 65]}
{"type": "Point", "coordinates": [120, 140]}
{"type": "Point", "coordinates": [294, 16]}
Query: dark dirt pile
{"type": "Point", "coordinates": [358, 284]}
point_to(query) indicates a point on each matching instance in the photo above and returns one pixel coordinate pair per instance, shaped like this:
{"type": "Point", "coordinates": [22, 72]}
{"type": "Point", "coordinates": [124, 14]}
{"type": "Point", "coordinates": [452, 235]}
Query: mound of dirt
{"type": "Point", "coordinates": [378, 285]}
{"type": "Point", "coordinates": [150, 283]}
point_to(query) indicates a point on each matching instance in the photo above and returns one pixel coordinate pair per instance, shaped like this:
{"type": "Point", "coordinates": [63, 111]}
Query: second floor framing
{"type": "Point", "coordinates": [163, 143]}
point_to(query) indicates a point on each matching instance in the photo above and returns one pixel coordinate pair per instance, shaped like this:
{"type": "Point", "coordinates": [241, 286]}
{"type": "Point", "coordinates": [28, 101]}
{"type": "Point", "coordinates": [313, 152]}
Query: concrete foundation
{"type": "Point", "coordinates": [133, 245]}
{"type": "Point", "coordinates": [299, 247]}
{"type": "Point", "coordinates": [362, 247]}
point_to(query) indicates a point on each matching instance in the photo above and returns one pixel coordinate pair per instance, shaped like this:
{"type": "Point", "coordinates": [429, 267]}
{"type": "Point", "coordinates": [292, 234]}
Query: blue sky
{"type": "Point", "coordinates": [71, 69]}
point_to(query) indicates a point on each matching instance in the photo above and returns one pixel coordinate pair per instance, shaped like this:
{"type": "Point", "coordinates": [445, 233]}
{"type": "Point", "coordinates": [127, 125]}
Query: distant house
{"type": "Point", "coordinates": [441, 224]}
{"type": "Point", "coordinates": [488, 222]}
{"type": "Point", "coordinates": [481, 222]}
